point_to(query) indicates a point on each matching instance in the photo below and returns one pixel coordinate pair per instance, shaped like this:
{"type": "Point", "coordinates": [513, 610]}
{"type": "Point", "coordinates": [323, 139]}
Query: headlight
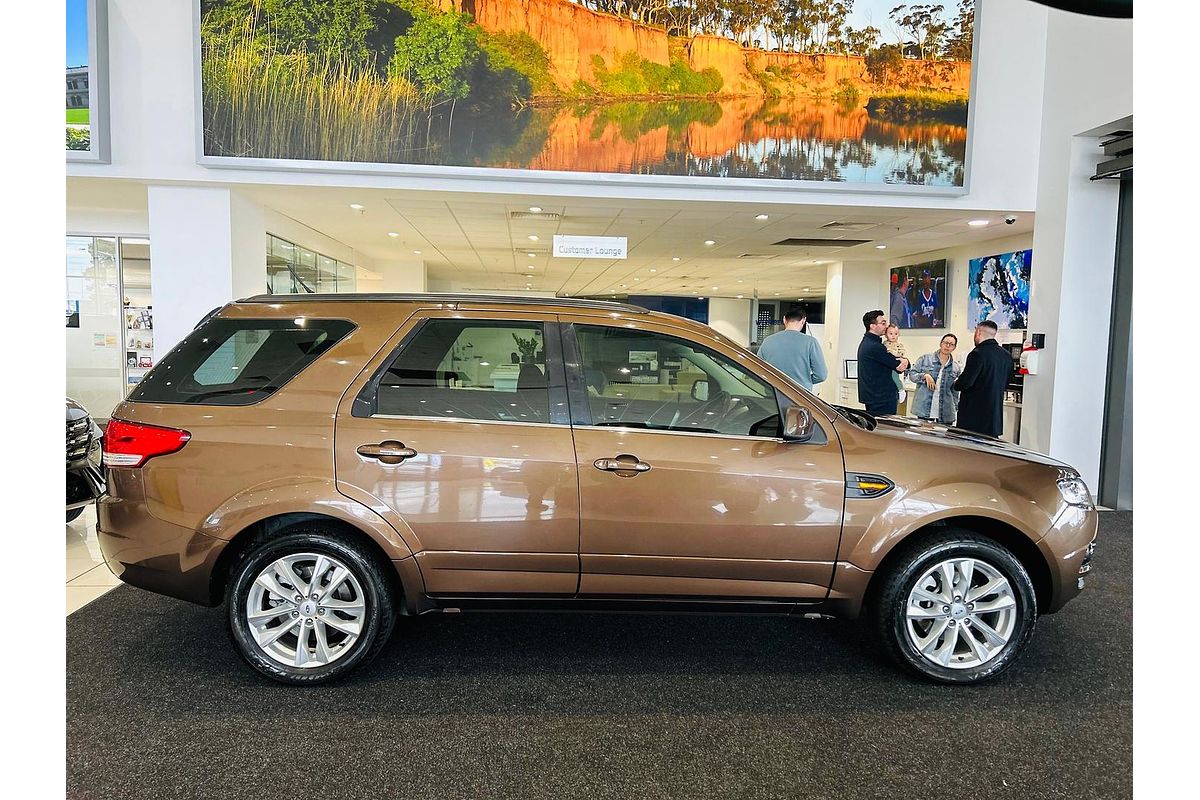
{"type": "Point", "coordinates": [1075, 492]}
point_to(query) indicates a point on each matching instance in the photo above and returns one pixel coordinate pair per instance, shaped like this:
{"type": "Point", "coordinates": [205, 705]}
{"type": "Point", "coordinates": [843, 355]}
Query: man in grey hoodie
{"type": "Point", "coordinates": [794, 352]}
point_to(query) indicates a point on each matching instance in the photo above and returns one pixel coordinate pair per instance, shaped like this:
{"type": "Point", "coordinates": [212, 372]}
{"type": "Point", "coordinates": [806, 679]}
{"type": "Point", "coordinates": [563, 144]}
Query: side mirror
{"type": "Point", "coordinates": [700, 389]}
{"type": "Point", "coordinates": [798, 424]}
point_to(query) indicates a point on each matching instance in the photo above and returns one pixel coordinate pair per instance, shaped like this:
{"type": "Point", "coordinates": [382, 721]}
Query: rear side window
{"type": "Point", "coordinates": [238, 362]}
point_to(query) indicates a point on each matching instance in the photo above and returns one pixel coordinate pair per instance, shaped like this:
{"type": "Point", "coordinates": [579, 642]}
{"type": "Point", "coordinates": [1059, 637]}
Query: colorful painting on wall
{"type": "Point", "coordinates": [862, 93]}
{"type": "Point", "coordinates": [918, 295]}
{"type": "Point", "coordinates": [999, 290]}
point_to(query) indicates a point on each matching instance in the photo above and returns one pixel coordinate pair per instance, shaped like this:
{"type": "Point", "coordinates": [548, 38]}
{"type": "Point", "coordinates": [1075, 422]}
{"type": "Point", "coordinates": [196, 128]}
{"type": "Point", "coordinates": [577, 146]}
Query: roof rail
{"type": "Point", "coordinates": [456, 299]}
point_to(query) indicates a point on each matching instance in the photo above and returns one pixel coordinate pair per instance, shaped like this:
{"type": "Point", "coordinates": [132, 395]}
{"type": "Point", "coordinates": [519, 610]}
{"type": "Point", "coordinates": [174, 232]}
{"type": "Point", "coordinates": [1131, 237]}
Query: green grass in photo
{"type": "Point", "coordinates": [78, 116]}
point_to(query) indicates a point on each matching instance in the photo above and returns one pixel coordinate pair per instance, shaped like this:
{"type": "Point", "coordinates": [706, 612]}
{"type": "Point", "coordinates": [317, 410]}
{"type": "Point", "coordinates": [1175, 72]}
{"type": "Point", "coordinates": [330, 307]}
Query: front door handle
{"type": "Point", "coordinates": [389, 452]}
{"type": "Point", "coordinates": [625, 465]}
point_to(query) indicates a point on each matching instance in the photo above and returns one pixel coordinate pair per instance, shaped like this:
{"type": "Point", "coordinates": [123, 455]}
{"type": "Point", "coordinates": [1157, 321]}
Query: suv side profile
{"type": "Point", "coordinates": [320, 464]}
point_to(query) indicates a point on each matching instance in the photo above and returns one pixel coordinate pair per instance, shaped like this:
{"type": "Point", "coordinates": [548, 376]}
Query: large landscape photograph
{"type": "Point", "coordinates": [859, 92]}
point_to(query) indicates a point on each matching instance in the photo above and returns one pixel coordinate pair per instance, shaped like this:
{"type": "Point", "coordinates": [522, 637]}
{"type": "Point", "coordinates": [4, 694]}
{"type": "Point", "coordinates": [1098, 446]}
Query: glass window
{"type": "Point", "coordinates": [237, 362]}
{"type": "Point", "coordinates": [469, 369]}
{"type": "Point", "coordinates": [292, 269]}
{"type": "Point", "coordinates": [641, 379]}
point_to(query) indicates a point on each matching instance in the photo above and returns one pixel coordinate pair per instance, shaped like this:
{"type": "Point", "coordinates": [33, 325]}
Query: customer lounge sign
{"type": "Point", "coordinates": [610, 247]}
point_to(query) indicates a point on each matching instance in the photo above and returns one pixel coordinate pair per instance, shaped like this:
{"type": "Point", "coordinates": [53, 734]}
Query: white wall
{"type": "Point", "coordinates": [730, 317]}
{"type": "Point", "coordinates": [1089, 73]}
{"type": "Point", "coordinates": [152, 46]}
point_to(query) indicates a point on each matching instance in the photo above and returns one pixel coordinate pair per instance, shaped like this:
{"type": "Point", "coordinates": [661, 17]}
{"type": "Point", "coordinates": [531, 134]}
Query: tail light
{"type": "Point", "coordinates": [131, 444]}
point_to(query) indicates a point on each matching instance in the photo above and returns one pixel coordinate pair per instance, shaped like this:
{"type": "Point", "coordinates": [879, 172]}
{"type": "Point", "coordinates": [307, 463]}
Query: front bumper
{"type": "Point", "coordinates": [1068, 548]}
{"type": "Point", "coordinates": [85, 483]}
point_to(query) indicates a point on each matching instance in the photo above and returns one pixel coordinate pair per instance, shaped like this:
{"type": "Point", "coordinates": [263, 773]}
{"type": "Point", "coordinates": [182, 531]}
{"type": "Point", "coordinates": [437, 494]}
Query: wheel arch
{"type": "Point", "coordinates": [269, 527]}
{"type": "Point", "coordinates": [1007, 536]}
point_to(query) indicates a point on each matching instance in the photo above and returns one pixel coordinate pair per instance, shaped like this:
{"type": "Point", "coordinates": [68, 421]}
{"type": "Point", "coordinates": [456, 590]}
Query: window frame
{"type": "Point", "coordinates": [581, 411]}
{"type": "Point", "coordinates": [366, 401]}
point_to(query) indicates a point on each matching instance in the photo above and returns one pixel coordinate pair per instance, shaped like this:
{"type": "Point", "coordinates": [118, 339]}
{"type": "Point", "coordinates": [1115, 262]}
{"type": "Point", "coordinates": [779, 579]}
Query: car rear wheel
{"type": "Point", "coordinates": [308, 606]}
{"type": "Point", "coordinates": [955, 608]}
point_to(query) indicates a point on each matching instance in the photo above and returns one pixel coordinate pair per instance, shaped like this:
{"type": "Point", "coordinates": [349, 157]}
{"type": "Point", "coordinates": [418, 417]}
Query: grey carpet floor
{"type": "Point", "coordinates": [601, 706]}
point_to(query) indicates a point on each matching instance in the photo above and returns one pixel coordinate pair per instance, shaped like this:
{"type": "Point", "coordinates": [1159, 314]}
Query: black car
{"type": "Point", "coordinates": [85, 480]}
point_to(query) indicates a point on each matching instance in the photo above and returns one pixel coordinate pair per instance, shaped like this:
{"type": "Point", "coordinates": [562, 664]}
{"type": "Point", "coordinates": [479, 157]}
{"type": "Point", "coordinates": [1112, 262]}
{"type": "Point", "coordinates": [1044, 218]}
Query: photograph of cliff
{"type": "Point", "coordinates": [859, 91]}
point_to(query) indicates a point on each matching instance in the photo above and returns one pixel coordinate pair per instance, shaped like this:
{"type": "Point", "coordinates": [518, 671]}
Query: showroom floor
{"type": "Point", "coordinates": [87, 576]}
{"type": "Point", "coordinates": [601, 706]}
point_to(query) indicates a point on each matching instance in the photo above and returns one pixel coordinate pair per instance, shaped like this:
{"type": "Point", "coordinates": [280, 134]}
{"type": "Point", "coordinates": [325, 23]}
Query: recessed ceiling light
{"type": "Point", "coordinates": [637, 279]}
{"type": "Point", "coordinates": [530, 267]}
{"type": "Point", "coordinates": [715, 288]}
{"type": "Point", "coordinates": [356, 206]}
{"type": "Point", "coordinates": [624, 286]}
{"type": "Point", "coordinates": [652, 269]}
{"type": "Point", "coordinates": [778, 293]}
{"type": "Point", "coordinates": [881, 247]}
{"type": "Point", "coordinates": [533, 237]}
{"type": "Point", "coordinates": [416, 252]}
{"type": "Point", "coordinates": [674, 258]}
{"type": "Point", "coordinates": [739, 297]}
{"type": "Point", "coordinates": [709, 242]}
{"type": "Point", "coordinates": [536, 209]}
{"type": "Point", "coordinates": [762, 217]}
{"type": "Point", "coordinates": [977, 223]}
{"type": "Point", "coordinates": [531, 255]}
{"type": "Point", "coordinates": [741, 281]}
{"type": "Point", "coordinates": [393, 234]}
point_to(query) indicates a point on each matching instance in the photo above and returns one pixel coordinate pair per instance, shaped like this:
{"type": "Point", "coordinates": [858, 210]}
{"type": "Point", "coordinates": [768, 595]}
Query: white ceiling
{"type": "Point", "coordinates": [470, 241]}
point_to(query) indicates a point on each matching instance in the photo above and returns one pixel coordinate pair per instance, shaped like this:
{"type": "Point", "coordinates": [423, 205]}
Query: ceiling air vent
{"type": "Point", "coordinates": [820, 242]}
{"type": "Point", "coordinates": [541, 216]}
{"type": "Point", "coordinates": [759, 255]}
{"type": "Point", "coordinates": [847, 226]}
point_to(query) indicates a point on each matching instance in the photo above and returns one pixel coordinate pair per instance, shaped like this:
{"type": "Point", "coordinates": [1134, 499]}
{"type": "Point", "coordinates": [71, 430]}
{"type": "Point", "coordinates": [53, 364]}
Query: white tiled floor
{"type": "Point", "coordinates": [87, 575]}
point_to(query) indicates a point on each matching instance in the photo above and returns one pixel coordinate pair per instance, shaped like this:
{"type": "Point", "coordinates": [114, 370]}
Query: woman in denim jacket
{"type": "Point", "coordinates": [934, 374]}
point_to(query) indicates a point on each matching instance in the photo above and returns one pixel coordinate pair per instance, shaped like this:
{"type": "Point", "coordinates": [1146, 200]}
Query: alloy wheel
{"type": "Point", "coordinates": [961, 613]}
{"type": "Point", "coordinates": [306, 610]}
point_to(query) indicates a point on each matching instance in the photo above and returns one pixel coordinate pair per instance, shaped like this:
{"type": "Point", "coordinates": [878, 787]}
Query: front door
{"type": "Point", "coordinates": [687, 488]}
{"type": "Point", "coordinates": [460, 437]}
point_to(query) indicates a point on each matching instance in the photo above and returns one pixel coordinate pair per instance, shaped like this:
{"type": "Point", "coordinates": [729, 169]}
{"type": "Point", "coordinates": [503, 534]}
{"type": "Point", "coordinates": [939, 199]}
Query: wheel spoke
{"type": "Point", "coordinates": [981, 652]}
{"type": "Point", "coordinates": [946, 569]}
{"type": "Point", "coordinates": [323, 654]}
{"type": "Point", "coordinates": [991, 587]}
{"type": "Point", "coordinates": [271, 584]}
{"type": "Point", "coordinates": [274, 634]}
{"type": "Point", "coordinates": [923, 594]}
{"type": "Point", "coordinates": [262, 617]}
{"type": "Point", "coordinates": [354, 607]}
{"type": "Point", "coordinates": [339, 575]}
{"type": "Point", "coordinates": [944, 653]}
{"type": "Point", "coordinates": [351, 627]}
{"type": "Point", "coordinates": [966, 571]}
{"type": "Point", "coordinates": [989, 633]}
{"type": "Point", "coordinates": [302, 656]}
{"type": "Point", "coordinates": [318, 570]}
{"type": "Point", "coordinates": [999, 604]}
{"type": "Point", "coordinates": [916, 612]}
{"type": "Point", "coordinates": [926, 643]}
{"type": "Point", "coordinates": [285, 576]}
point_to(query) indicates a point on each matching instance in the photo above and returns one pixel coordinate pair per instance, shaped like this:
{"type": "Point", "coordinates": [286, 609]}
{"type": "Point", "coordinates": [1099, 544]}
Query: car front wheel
{"type": "Point", "coordinates": [308, 606]}
{"type": "Point", "coordinates": [956, 608]}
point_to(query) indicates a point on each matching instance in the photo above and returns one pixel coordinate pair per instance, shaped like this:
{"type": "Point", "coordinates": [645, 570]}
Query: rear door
{"type": "Point", "coordinates": [460, 433]}
{"type": "Point", "coordinates": [687, 489]}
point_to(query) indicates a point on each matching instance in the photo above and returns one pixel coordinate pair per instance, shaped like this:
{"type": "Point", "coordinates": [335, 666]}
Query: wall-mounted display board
{"type": "Point", "coordinates": [870, 93]}
{"type": "Point", "coordinates": [917, 297]}
{"type": "Point", "coordinates": [999, 290]}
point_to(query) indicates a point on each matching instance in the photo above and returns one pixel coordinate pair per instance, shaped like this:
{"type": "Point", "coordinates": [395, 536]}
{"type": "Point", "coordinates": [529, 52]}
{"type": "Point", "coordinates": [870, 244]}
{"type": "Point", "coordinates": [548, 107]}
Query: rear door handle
{"type": "Point", "coordinates": [389, 452]}
{"type": "Point", "coordinates": [625, 465]}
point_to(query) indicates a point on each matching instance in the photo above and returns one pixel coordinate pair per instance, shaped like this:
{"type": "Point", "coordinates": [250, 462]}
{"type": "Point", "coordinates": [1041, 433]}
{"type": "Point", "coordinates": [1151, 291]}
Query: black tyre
{"type": "Point", "coordinates": [74, 513]}
{"type": "Point", "coordinates": [955, 608]}
{"type": "Point", "coordinates": [309, 606]}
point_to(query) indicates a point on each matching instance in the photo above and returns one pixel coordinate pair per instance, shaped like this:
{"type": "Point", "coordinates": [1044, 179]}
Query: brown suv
{"type": "Point", "coordinates": [322, 463]}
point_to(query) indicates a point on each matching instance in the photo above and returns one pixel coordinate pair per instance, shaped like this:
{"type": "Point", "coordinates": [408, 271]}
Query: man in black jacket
{"type": "Point", "coordinates": [984, 378]}
{"type": "Point", "coordinates": [876, 390]}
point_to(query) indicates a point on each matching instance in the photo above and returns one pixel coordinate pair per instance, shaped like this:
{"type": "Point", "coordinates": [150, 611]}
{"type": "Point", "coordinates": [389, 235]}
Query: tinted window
{"type": "Point", "coordinates": [469, 369]}
{"type": "Point", "coordinates": [238, 362]}
{"type": "Point", "coordinates": [649, 380]}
